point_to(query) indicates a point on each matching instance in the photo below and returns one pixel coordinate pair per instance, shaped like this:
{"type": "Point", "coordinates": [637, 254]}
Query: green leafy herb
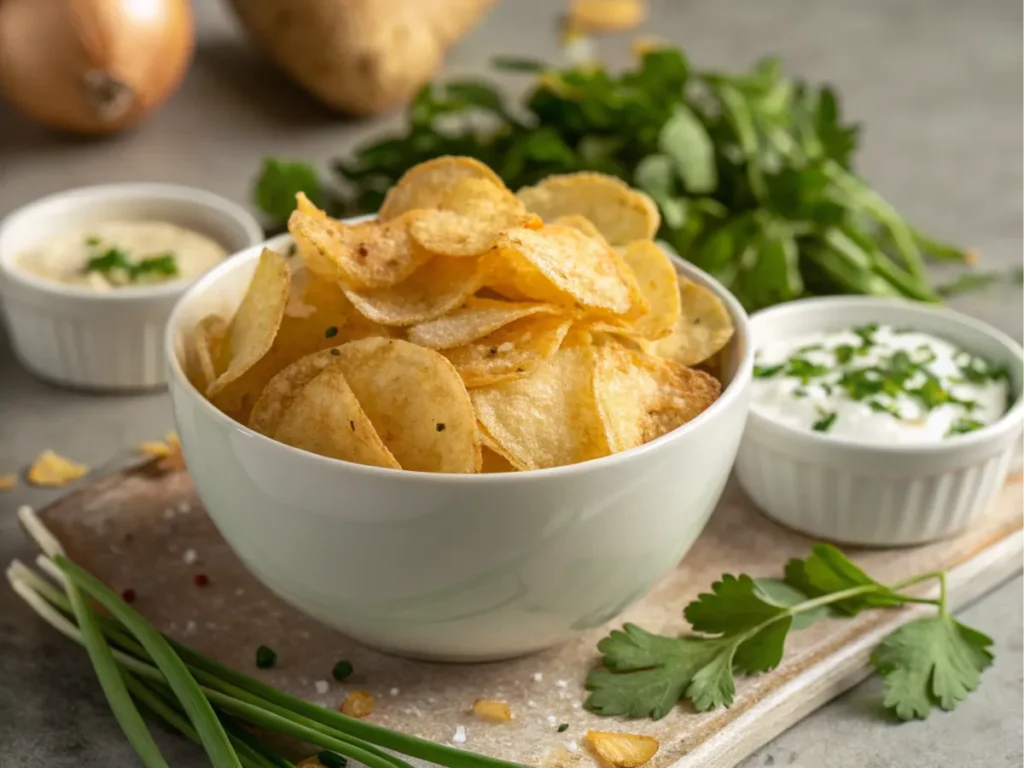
{"type": "Point", "coordinates": [92, 241]}
{"type": "Point", "coordinates": [743, 624]}
{"type": "Point", "coordinates": [751, 171]}
{"type": "Point", "coordinates": [331, 332]}
{"type": "Point", "coordinates": [562, 727]}
{"type": "Point", "coordinates": [342, 670]}
{"type": "Point", "coordinates": [767, 371]}
{"type": "Point", "coordinates": [962, 426]}
{"type": "Point", "coordinates": [115, 264]}
{"type": "Point", "coordinates": [824, 424]}
{"type": "Point", "coordinates": [265, 657]}
{"type": "Point", "coordinates": [804, 369]}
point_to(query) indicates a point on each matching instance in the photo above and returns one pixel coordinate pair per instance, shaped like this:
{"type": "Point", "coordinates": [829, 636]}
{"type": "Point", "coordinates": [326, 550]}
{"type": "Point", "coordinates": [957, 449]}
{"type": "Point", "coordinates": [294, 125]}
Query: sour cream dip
{"type": "Point", "coordinates": [117, 254]}
{"type": "Point", "coordinates": [878, 384]}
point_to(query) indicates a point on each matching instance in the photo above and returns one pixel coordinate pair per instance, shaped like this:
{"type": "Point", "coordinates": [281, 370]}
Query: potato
{"type": "Point", "coordinates": [361, 57]}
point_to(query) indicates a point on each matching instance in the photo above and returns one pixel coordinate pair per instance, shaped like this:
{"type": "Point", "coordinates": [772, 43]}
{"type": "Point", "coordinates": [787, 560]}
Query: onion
{"type": "Point", "coordinates": [92, 66]}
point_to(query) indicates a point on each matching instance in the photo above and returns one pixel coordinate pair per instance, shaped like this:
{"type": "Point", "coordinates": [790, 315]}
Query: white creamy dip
{"type": "Point", "coordinates": [173, 253]}
{"type": "Point", "coordinates": [878, 384]}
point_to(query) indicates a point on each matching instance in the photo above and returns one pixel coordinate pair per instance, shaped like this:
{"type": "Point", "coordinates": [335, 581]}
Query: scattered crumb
{"type": "Point", "coordinates": [573, 746]}
{"type": "Point", "coordinates": [190, 627]}
{"type": "Point", "coordinates": [552, 720]}
{"type": "Point", "coordinates": [538, 676]}
{"type": "Point", "coordinates": [54, 471]}
{"type": "Point", "coordinates": [322, 686]}
{"type": "Point", "coordinates": [460, 735]}
{"type": "Point", "coordinates": [190, 556]}
{"type": "Point", "coordinates": [184, 507]}
{"type": "Point", "coordinates": [394, 691]}
{"type": "Point", "coordinates": [414, 711]}
{"type": "Point", "coordinates": [156, 449]}
{"type": "Point", "coordinates": [562, 683]}
{"type": "Point", "coordinates": [7, 482]}
{"type": "Point", "coordinates": [531, 703]}
{"type": "Point", "coordinates": [357, 704]}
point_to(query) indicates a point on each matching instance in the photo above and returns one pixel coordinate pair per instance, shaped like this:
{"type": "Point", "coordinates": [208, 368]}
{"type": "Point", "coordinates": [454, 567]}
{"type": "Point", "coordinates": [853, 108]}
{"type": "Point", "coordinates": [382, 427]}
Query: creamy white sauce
{"type": "Point", "coordinates": [838, 383]}
{"type": "Point", "coordinates": [64, 258]}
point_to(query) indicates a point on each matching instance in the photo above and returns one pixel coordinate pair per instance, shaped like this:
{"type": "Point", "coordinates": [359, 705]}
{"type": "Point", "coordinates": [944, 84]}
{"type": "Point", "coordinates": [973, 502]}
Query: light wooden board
{"type": "Point", "coordinates": [136, 529]}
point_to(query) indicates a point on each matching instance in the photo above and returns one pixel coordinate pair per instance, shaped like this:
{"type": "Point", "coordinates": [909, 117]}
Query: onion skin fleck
{"type": "Point", "coordinates": [93, 66]}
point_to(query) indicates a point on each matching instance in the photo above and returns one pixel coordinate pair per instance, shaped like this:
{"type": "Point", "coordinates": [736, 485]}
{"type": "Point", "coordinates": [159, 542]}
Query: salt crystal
{"type": "Point", "coordinates": [239, 592]}
{"type": "Point", "coordinates": [531, 703]}
{"type": "Point", "coordinates": [414, 711]}
{"type": "Point", "coordinates": [573, 746]}
{"type": "Point", "coordinates": [190, 556]}
{"type": "Point", "coordinates": [538, 676]}
{"type": "Point", "coordinates": [322, 686]}
{"type": "Point", "coordinates": [460, 734]}
{"type": "Point", "coordinates": [577, 704]}
{"type": "Point", "coordinates": [190, 628]}
{"type": "Point", "coordinates": [552, 720]}
{"type": "Point", "coordinates": [394, 691]}
{"type": "Point", "coordinates": [562, 684]}
{"type": "Point", "coordinates": [184, 507]}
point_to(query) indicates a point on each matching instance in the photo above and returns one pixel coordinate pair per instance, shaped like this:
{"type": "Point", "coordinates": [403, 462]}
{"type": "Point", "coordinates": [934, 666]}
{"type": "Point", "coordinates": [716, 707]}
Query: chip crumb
{"type": "Point", "coordinates": [357, 704]}
{"type": "Point", "coordinates": [459, 736]}
{"type": "Point", "coordinates": [494, 711]}
{"type": "Point", "coordinates": [322, 686]}
{"type": "Point", "coordinates": [538, 676]}
{"type": "Point", "coordinates": [7, 482]}
{"type": "Point", "coordinates": [155, 449]}
{"type": "Point", "coordinates": [53, 471]}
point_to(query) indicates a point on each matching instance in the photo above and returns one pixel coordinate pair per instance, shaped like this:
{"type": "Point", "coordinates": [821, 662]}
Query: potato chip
{"type": "Point", "coordinates": [640, 398]}
{"type": "Point", "coordinates": [255, 324]}
{"type": "Point", "coordinates": [657, 279]}
{"type": "Point", "coordinates": [426, 185]}
{"type": "Point", "coordinates": [9, 481]}
{"type": "Point", "coordinates": [327, 319]}
{"type": "Point", "coordinates": [369, 254]}
{"type": "Point", "coordinates": [280, 391]}
{"type": "Point", "coordinates": [311, 256]}
{"type": "Point", "coordinates": [53, 471]}
{"type": "Point", "coordinates": [578, 335]}
{"type": "Point", "coordinates": [563, 266]}
{"type": "Point", "coordinates": [510, 352]}
{"type": "Point", "coordinates": [582, 223]}
{"type": "Point", "coordinates": [547, 419]}
{"type": "Point", "coordinates": [622, 750]}
{"type": "Point", "coordinates": [475, 320]}
{"type": "Point", "coordinates": [620, 213]}
{"type": "Point", "coordinates": [493, 462]}
{"type": "Point", "coordinates": [417, 403]}
{"type": "Point", "coordinates": [704, 326]}
{"type": "Point", "coordinates": [437, 287]}
{"type": "Point", "coordinates": [324, 418]}
{"type": "Point", "coordinates": [468, 218]}
{"type": "Point", "coordinates": [204, 353]}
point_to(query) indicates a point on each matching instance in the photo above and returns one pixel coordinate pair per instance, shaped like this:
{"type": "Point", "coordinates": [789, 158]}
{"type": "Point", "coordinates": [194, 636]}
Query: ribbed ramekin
{"type": "Point", "coordinates": [69, 334]}
{"type": "Point", "coordinates": [854, 492]}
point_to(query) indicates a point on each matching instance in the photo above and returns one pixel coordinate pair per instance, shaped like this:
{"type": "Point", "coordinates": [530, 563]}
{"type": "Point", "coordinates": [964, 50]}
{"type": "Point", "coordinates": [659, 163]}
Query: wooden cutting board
{"type": "Point", "coordinates": [149, 533]}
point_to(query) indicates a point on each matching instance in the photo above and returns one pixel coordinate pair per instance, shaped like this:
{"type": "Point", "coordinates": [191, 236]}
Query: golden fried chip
{"type": "Point", "coordinates": [622, 750]}
{"type": "Point", "coordinates": [493, 462]}
{"type": "Point", "coordinates": [357, 704]}
{"type": "Point", "coordinates": [547, 419]}
{"type": "Point", "coordinates": [437, 287]}
{"type": "Point", "coordinates": [255, 324]}
{"type": "Point", "coordinates": [9, 481]}
{"type": "Point", "coordinates": [154, 449]}
{"type": "Point", "coordinates": [563, 266]}
{"type": "Point", "coordinates": [369, 254]}
{"type": "Point", "coordinates": [510, 352]}
{"type": "Point", "coordinates": [582, 223]}
{"type": "Point", "coordinates": [312, 257]}
{"type": "Point", "coordinates": [578, 335]}
{"type": "Point", "coordinates": [475, 320]}
{"type": "Point", "coordinates": [203, 354]}
{"type": "Point", "coordinates": [284, 387]}
{"type": "Point", "coordinates": [704, 326]}
{"type": "Point", "coordinates": [640, 397]}
{"type": "Point", "coordinates": [318, 316]}
{"type": "Point", "coordinates": [657, 280]}
{"type": "Point", "coordinates": [325, 418]}
{"type": "Point", "coordinates": [468, 218]}
{"type": "Point", "coordinates": [620, 213]}
{"type": "Point", "coordinates": [53, 471]}
{"type": "Point", "coordinates": [425, 185]}
{"type": "Point", "coordinates": [494, 711]}
{"type": "Point", "coordinates": [417, 403]}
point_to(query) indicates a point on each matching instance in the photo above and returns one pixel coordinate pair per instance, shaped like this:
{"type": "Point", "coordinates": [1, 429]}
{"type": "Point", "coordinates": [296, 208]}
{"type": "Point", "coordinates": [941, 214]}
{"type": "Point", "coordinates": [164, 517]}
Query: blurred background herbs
{"type": "Point", "coordinates": [752, 172]}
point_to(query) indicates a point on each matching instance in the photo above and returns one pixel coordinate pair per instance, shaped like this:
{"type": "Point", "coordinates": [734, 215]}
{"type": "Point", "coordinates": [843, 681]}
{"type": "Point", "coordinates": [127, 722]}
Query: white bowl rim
{"type": "Point", "coordinates": [731, 392]}
{"type": "Point", "coordinates": [1007, 421]}
{"type": "Point", "coordinates": [156, 191]}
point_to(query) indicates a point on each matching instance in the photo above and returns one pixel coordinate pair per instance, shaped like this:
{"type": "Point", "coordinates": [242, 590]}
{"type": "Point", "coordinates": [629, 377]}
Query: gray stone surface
{"type": "Point", "coordinates": [939, 86]}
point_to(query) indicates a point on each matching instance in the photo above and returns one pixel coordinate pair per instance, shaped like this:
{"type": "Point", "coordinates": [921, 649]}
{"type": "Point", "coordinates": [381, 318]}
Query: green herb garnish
{"type": "Point", "coordinates": [92, 240]}
{"type": "Point", "coordinates": [804, 369]}
{"type": "Point", "coordinates": [824, 424]}
{"type": "Point", "coordinates": [342, 670]}
{"type": "Point", "coordinates": [743, 623]}
{"type": "Point", "coordinates": [751, 171]}
{"type": "Point", "coordinates": [844, 353]}
{"type": "Point", "coordinates": [767, 371]}
{"type": "Point", "coordinates": [963, 425]}
{"type": "Point", "coordinates": [115, 263]}
{"type": "Point", "coordinates": [265, 657]}
{"type": "Point", "coordinates": [331, 332]}
{"type": "Point", "coordinates": [563, 727]}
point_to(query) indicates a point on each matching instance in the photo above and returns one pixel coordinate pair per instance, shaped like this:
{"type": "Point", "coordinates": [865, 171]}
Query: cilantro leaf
{"type": "Point", "coordinates": [278, 183]}
{"type": "Point", "coordinates": [929, 662]}
{"type": "Point", "coordinates": [781, 593]}
{"type": "Point", "coordinates": [827, 571]}
{"type": "Point", "coordinates": [734, 605]}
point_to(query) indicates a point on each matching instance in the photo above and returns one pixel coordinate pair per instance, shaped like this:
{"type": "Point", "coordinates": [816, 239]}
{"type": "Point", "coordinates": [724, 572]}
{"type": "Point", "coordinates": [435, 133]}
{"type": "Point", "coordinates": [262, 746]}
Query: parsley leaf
{"type": "Point", "coordinates": [278, 183]}
{"type": "Point", "coordinates": [827, 571]}
{"type": "Point", "coordinates": [115, 263]}
{"type": "Point", "coordinates": [930, 662]}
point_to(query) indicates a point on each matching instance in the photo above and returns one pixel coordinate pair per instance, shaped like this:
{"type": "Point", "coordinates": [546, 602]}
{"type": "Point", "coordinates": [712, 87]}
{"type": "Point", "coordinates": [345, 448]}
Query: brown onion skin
{"type": "Point", "coordinates": [138, 50]}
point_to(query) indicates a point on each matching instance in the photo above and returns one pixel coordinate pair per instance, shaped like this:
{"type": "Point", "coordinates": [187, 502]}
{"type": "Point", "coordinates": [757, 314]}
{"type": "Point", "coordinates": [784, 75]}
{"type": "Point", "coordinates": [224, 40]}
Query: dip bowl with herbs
{"type": "Point", "coordinates": [879, 422]}
{"type": "Point", "coordinates": [88, 277]}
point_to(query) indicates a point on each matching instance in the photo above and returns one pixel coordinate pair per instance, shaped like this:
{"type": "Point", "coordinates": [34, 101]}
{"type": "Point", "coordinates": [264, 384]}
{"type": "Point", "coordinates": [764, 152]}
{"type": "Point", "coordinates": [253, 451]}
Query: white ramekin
{"type": "Point", "coordinates": [869, 494]}
{"type": "Point", "coordinates": [71, 335]}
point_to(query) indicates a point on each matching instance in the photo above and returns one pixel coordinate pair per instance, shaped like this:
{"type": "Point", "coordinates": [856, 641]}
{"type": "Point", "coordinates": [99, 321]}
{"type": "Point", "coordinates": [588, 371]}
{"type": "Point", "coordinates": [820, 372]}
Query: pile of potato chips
{"type": "Point", "coordinates": [468, 328]}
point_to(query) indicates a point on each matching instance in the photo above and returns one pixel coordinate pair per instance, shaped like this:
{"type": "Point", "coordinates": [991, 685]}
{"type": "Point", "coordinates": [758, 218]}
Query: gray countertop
{"type": "Point", "coordinates": [938, 85]}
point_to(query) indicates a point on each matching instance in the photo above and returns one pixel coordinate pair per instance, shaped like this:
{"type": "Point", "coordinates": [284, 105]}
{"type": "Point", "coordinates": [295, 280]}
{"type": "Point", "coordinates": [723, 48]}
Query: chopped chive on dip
{"type": "Point", "coordinates": [875, 383]}
{"type": "Point", "coordinates": [265, 657]}
{"type": "Point", "coordinates": [342, 670]}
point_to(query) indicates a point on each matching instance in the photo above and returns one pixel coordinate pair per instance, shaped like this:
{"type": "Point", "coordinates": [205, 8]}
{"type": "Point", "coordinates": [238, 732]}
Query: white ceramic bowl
{"type": "Point", "coordinates": [453, 567]}
{"type": "Point", "coordinates": [69, 334]}
{"type": "Point", "coordinates": [878, 495]}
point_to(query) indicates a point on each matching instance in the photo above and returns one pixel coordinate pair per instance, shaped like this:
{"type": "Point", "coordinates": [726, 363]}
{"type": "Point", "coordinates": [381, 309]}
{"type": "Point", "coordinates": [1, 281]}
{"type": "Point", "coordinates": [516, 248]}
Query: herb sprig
{"type": "Point", "coordinates": [751, 171]}
{"type": "Point", "coordinates": [116, 265]}
{"type": "Point", "coordinates": [743, 624]}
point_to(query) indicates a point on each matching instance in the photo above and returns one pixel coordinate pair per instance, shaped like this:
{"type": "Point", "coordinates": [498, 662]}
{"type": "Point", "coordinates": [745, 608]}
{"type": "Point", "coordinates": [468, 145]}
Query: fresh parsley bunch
{"type": "Point", "coordinates": [751, 171]}
{"type": "Point", "coordinates": [743, 624]}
